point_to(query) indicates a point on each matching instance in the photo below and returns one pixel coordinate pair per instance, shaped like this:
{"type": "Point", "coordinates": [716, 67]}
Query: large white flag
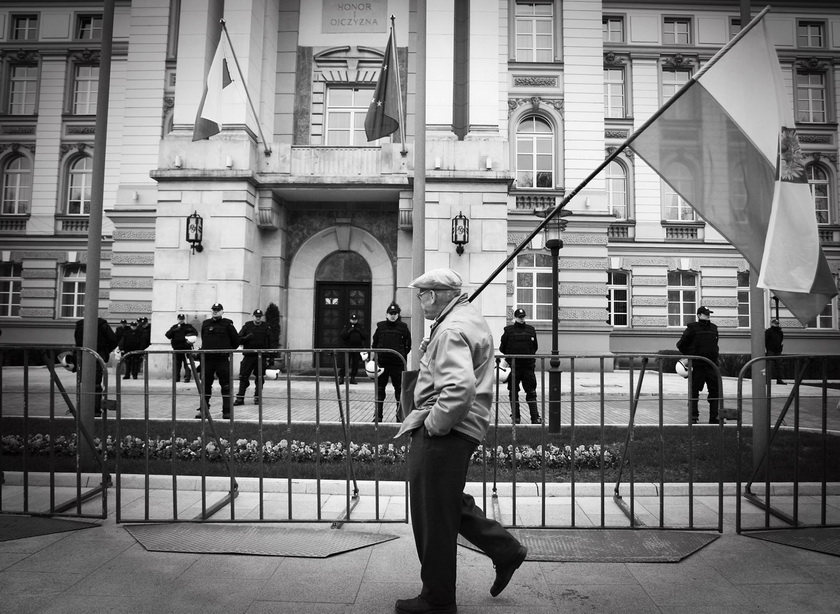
{"type": "Point", "coordinates": [728, 146]}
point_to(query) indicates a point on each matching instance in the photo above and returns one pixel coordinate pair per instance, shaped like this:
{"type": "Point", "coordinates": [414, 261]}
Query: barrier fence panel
{"type": "Point", "coordinates": [310, 448]}
{"type": "Point", "coordinates": [51, 463]}
{"type": "Point", "coordinates": [790, 461]}
{"type": "Point", "coordinates": [635, 431]}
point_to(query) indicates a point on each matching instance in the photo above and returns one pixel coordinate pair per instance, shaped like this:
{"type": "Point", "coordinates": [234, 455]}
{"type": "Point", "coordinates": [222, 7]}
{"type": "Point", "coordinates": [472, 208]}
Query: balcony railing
{"type": "Point", "coordinates": [72, 224]}
{"type": "Point", "coordinates": [684, 231]}
{"type": "Point", "coordinates": [534, 200]}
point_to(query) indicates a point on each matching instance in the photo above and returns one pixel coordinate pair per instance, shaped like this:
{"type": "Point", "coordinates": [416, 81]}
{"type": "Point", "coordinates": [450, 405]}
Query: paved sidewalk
{"type": "Point", "coordinates": [105, 570]}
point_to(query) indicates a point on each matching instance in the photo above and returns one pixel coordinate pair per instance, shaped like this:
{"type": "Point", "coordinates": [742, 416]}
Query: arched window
{"type": "Point", "coordinates": [820, 192]}
{"type": "Point", "coordinates": [534, 153]}
{"type": "Point", "coordinates": [17, 186]}
{"type": "Point", "coordinates": [78, 186]}
{"type": "Point", "coordinates": [617, 190]}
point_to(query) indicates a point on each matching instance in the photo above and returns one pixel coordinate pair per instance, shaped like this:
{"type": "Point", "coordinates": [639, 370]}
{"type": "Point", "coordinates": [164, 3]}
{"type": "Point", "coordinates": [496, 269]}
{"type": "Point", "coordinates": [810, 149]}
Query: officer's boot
{"type": "Point", "coordinates": [535, 412]}
{"type": "Point", "coordinates": [240, 396]}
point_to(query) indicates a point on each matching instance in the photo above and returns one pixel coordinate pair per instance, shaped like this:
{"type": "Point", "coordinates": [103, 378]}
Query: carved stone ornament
{"type": "Point", "coordinates": [65, 148]}
{"type": "Point", "coordinates": [819, 155]}
{"type": "Point", "coordinates": [678, 60]}
{"type": "Point", "coordinates": [627, 153]}
{"type": "Point", "coordinates": [611, 59]}
{"type": "Point", "coordinates": [23, 56]}
{"type": "Point", "coordinates": [16, 147]}
{"type": "Point", "coordinates": [534, 81]}
{"type": "Point", "coordinates": [815, 138]}
{"type": "Point", "coordinates": [813, 64]}
{"type": "Point", "coordinates": [86, 55]}
{"type": "Point", "coordinates": [535, 102]}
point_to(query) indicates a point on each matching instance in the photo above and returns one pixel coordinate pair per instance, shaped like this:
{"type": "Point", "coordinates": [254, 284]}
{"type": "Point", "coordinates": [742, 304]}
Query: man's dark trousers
{"type": "Point", "coordinates": [704, 375]}
{"type": "Point", "coordinates": [528, 379]}
{"type": "Point", "coordinates": [440, 510]}
{"type": "Point", "coordinates": [394, 373]}
{"type": "Point", "coordinates": [249, 366]}
{"type": "Point", "coordinates": [182, 362]}
{"type": "Point", "coordinates": [212, 366]}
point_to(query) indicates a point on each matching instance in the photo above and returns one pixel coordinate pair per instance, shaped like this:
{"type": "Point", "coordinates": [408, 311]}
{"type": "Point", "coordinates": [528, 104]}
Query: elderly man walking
{"type": "Point", "coordinates": [453, 397]}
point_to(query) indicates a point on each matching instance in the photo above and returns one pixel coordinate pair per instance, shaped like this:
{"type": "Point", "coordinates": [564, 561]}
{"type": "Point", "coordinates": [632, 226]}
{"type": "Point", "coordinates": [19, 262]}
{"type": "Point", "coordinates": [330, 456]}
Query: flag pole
{"type": "Point", "coordinates": [396, 61]}
{"type": "Point", "coordinates": [267, 147]}
{"type": "Point", "coordinates": [677, 95]}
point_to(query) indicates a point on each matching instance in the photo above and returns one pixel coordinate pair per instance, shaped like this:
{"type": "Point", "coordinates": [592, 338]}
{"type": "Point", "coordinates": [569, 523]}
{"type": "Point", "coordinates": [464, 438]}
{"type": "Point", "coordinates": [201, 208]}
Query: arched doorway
{"type": "Point", "coordinates": [342, 287]}
{"type": "Point", "coordinates": [304, 274]}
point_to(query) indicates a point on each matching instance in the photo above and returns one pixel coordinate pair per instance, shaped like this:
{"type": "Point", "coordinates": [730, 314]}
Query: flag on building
{"type": "Point", "coordinates": [383, 116]}
{"type": "Point", "coordinates": [208, 120]}
{"type": "Point", "coordinates": [728, 146]}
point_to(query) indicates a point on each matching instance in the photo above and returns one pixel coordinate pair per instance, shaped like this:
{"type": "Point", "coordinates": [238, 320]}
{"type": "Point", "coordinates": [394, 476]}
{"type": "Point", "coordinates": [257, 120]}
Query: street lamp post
{"type": "Point", "coordinates": [553, 232]}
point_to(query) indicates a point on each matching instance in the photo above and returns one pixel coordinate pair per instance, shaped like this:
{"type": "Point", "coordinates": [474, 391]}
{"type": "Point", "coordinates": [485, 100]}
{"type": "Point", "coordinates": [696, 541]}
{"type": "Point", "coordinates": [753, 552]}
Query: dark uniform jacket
{"type": "Point", "coordinates": [132, 340]}
{"type": "Point", "coordinates": [519, 339]}
{"type": "Point", "coordinates": [255, 337]}
{"type": "Point", "coordinates": [354, 336]}
{"type": "Point", "coordinates": [219, 335]}
{"type": "Point", "coordinates": [106, 340]}
{"type": "Point", "coordinates": [392, 336]}
{"type": "Point", "coordinates": [178, 335]}
{"type": "Point", "coordinates": [700, 338]}
{"type": "Point", "coordinates": [774, 339]}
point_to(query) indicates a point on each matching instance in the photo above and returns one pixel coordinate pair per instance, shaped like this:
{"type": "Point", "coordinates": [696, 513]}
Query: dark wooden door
{"type": "Point", "coordinates": [335, 302]}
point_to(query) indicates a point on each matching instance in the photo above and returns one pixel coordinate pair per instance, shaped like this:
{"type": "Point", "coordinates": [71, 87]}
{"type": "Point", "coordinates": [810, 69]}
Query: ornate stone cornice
{"type": "Point", "coordinates": [621, 134]}
{"type": "Point", "coordinates": [15, 147]}
{"type": "Point", "coordinates": [89, 56]}
{"type": "Point", "coordinates": [535, 102]}
{"type": "Point", "coordinates": [81, 130]}
{"type": "Point", "coordinates": [66, 148]}
{"type": "Point", "coordinates": [22, 56]}
{"type": "Point", "coordinates": [814, 138]}
{"type": "Point", "coordinates": [819, 155]}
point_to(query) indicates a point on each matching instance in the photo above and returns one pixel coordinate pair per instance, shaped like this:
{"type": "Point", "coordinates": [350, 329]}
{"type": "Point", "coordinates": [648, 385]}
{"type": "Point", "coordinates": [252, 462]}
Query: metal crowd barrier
{"type": "Point", "coordinates": [306, 403]}
{"type": "Point", "coordinates": [771, 485]}
{"type": "Point", "coordinates": [44, 449]}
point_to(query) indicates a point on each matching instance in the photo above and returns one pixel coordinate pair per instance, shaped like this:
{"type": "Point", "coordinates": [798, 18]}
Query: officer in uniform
{"type": "Point", "coordinates": [353, 335]}
{"type": "Point", "coordinates": [217, 333]}
{"type": "Point", "coordinates": [392, 334]}
{"type": "Point", "coordinates": [700, 338]}
{"type": "Point", "coordinates": [255, 335]}
{"type": "Point", "coordinates": [521, 338]}
{"type": "Point", "coordinates": [177, 336]}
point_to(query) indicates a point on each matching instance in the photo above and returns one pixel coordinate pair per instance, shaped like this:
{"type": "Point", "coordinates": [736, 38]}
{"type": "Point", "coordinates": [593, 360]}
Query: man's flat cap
{"type": "Point", "coordinates": [438, 279]}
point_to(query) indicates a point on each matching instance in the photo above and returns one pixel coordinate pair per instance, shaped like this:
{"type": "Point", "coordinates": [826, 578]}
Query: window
{"type": "Point", "coordinates": [73, 291]}
{"type": "Point", "coordinates": [534, 32]}
{"type": "Point", "coordinates": [825, 319]}
{"type": "Point", "coordinates": [23, 83]}
{"type": "Point", "coordinates": [682, 297]}
{"type": "Point", "coordinates": [617, 190]}
{"type": "Point", "coordinates": [676, 31]}
{"type": "Point", "coordinates": [24, 27]}
{"type": "Point", "coordinates": [11, 278]}
{"type": "Point", "coordinates": [810, 34]}
{"type": "Point", "coordinates": [743, 299]}
{"type": "Point", "coordinates": [78, 186]}
{"type": "Point", "coordinates": [613, 29]}
{"type": "Point", "coordinates": [734, 27]}
{"type": "Point", "coordinates": [534, 154]}
{"type": "Point", "coordinates": [676, 209]}
{"type": "Point", "coordinates": [89, 27]}
{"type": "Point", "coordinates": [673, 80]}
{"type": "Point", "coordinates": [85, 88]}
{"type": "Point", "coordinates": [614, 92]}
{"type": "Point", "coordinates": [345, 119]}
{"type": "Point", "coordinates": [532, 273]}
{"type": "Point", "coordinates": [17, 185]}
{"type": "Point", "coordinates": [618, 289]}
{"type": "Point", "coordinates": [820, 192]}
{"type": "Point", "coordinates": [810, 97]}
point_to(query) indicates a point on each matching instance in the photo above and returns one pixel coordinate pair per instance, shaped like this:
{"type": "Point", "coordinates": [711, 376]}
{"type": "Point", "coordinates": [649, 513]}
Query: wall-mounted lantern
{"type": "Point", "coordinates": [195, 231]}
{"type": "Point", "coordinates": [460, 232]}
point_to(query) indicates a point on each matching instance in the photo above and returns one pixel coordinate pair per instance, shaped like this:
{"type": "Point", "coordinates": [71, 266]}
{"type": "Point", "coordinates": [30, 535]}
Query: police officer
{"type": "Point", "coordinates": [177, 336]}
{"type": "Point", "coordinates": [700, 338]}
{"type": "Point", "coordinates": [521, 338]}
{"type": "Point", "coordinates": [217, 333]}
{"type": "Point", "coordinates": [132, 340]}
{"type": "Point", "coordinates": [353, 335]}
{"type": "Point", "coordinates": [392, 334]}
{"type": "Point", "coordinates": [255, 335]}
{"type": "Point", "coordinates": [774, 341]}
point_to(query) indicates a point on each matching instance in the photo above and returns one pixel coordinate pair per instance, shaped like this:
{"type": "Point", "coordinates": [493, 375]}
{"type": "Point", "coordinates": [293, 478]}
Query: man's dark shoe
{"type": "Point", "coordinates": [238, 402]}
{"type": "Point", "coordinates": [536, 419]}
{"type": "Point", "coordinates": [256, 400]}
{"type": "Point", "coordinates": [225, 415]}
{"type": "Point", "coordinates": [198, 414]}
{"type": "Point", "coordinates": [353, 382]}
{"type": "Point", "coordinates": [418, 605]}
{"type": "Point", "coordinates": [505, 572]}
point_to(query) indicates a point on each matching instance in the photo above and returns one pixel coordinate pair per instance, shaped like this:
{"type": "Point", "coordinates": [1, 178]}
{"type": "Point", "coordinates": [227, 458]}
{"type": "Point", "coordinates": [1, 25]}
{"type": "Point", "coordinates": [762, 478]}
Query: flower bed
{"type": "Point", "coordinates": [245, 450]}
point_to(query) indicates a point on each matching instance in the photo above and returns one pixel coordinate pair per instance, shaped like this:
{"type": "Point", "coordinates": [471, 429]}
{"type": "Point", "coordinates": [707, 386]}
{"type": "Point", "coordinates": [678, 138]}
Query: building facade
{"type": "Point", "coordinates": [523, 101]}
